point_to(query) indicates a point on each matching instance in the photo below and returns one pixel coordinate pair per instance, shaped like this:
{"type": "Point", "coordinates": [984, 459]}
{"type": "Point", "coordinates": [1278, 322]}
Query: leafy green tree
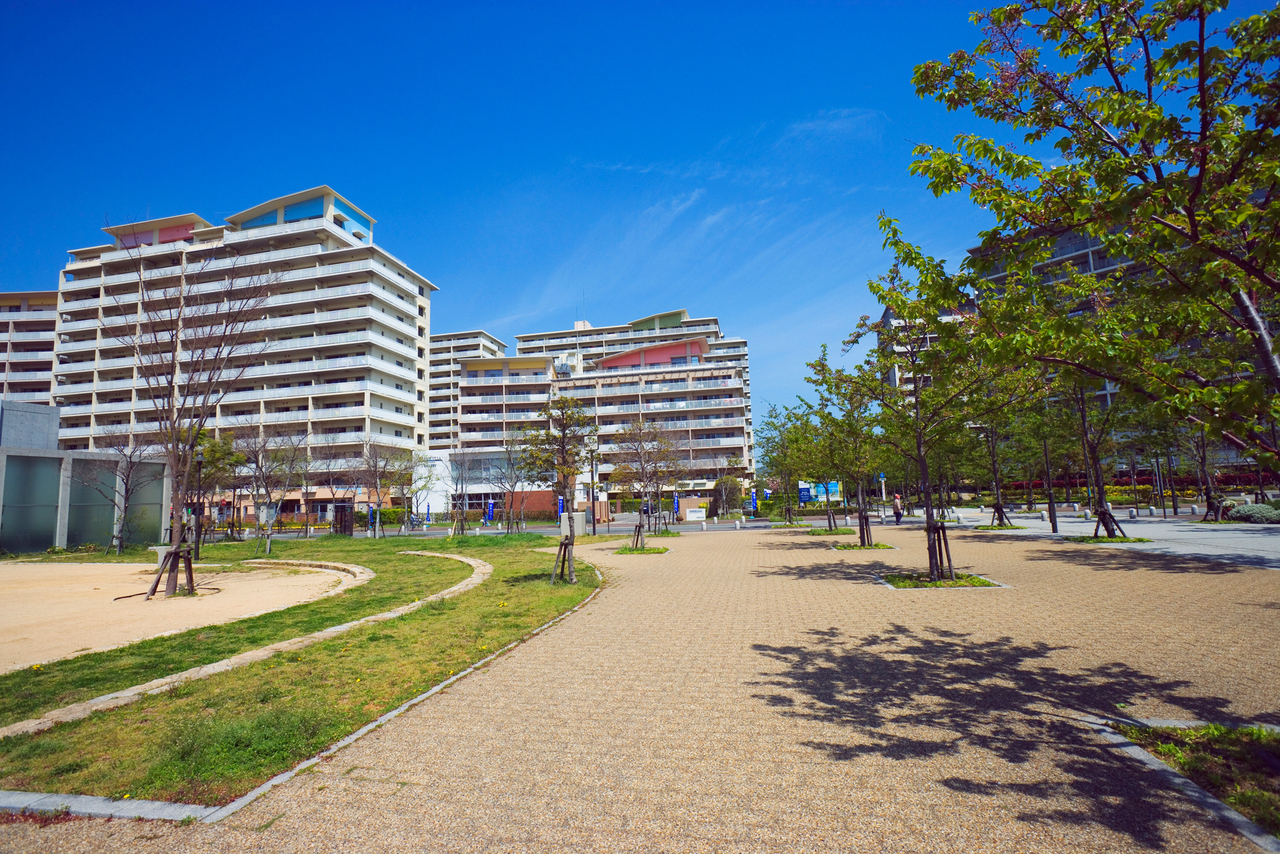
{"type": "Point", "coordinates": [1148, 131]}
{"type": "Point", "coordinates": [779, 440]}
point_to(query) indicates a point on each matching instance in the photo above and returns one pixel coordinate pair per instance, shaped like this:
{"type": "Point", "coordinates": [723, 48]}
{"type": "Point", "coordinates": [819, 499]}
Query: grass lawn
{"type": "Point", "coordinates": [665, 532]}
{"type": "Point", "coordinates": [818, 532]}
{"type": "Point", "coordinates": [212, 740]}
{"type": "Point", "coordinates": [999, 527]}
{"type": "Point", "coordinates": [648, 550]}
{"type": "Point", "coordinates": [1106, 539]}
{"type": "Point", "coordinates": [852, 547]}
{"type": "Point", "coordinates": [1240, 767]}
{"type": "Point", "coordinates": [912, 582]}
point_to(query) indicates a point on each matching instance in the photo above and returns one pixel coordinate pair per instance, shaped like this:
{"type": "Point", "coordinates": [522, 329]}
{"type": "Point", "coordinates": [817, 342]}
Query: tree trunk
{"type": "Point", "coordinates": [568, 561]}
{"type": "Point", "coordinates": [935, 566]}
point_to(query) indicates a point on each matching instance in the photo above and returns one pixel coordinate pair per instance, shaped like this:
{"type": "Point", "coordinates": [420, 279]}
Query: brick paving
{"type": "Point", "coordinates": [759, 692]}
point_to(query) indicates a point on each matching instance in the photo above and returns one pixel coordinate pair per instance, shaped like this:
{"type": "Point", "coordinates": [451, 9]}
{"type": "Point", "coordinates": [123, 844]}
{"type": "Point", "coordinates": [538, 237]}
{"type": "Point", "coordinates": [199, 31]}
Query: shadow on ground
{"type": "Point", "coordinates": [923, 695]}
{"type": "Point", "coordinates": [1111, 559]}
{"type": "Point", "coordinates": [836, 570]}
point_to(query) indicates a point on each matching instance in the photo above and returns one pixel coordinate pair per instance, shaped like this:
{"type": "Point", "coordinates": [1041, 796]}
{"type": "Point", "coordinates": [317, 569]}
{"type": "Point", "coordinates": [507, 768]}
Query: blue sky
{"type": "Point", "coordinates": [540, 163]}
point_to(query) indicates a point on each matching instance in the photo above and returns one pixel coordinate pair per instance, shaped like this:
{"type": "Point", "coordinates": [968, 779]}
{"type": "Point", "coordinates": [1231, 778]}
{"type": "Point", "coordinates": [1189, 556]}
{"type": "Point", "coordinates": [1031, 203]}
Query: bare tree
{"type": "Point", "coordinates": [646, 456]}
{"type": "Point", "coordinates": [335, 472]}
{"type": "Point", "coordinates": [510, 473]}
{"type": "Point", "coordinates": [196, 331]}
{"type": "Point", "coordinates": [463, 467]}
{"type": "Point", "coordinates": [381, 468]}
{"type": "Point", "coordinates": [422, 481]}
{"type": "Point", "coordinates": [274, 464]}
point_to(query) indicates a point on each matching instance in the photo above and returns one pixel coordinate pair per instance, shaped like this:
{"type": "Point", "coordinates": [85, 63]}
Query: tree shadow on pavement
{"type": "Point", "coordinates": [1111, 559]}
{"type": "Point", "coordinates": [834, 571]}
{"type": "Point", "coordinates": [935, 694]}
{"type": "Point", "coordinates": [808, 543]}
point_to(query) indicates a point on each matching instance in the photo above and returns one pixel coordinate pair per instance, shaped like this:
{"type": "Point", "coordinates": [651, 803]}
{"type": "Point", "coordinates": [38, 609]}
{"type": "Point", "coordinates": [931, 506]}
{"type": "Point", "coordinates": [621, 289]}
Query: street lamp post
{"type": "Point", "coordinates": [199, 499]}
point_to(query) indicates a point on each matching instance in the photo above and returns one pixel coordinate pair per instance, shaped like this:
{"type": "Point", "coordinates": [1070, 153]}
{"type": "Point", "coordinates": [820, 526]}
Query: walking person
{"type": "Point", "coordinates": [897, 509]}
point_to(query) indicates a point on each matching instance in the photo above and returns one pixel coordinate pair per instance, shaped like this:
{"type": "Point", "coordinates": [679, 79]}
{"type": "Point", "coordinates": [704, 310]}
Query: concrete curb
{"type": "Point", "coordinates": [95, 807]}
{"type": "Point", "coordinates": [77, 711]}
{"type": "Point", "coordinates": [1246, 828]}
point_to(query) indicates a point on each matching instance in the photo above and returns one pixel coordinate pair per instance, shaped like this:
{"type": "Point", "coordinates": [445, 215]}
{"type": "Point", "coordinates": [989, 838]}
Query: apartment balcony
{"type": "Point", "coordinates": [29, 376]}
{"type": "Point", "coordinates": [733, 382]}
{"type": "Point", "coordinates": [27, 396]}
{"type": "Point", "coordinates": [402, 418]}
{"type": "Point", "coordinates": [613, 410]}
{"type": "Point", "coordinates": [74, 432]}
{"type": "Point", "coordinates": [524, 416]}
{"type": "Point", "coordinates": [481, 416]}
{"type": "Point", "coordinates": [343, 438]}
{"type": "Point", "coordinates": [120, 406]}
{"type": "Point", "coordinates": [715, 443]}
{"type": "Point", "coordinates": [656, 387]}
{"type": "Point", "coordinates": [316, 390]}
{"type": "Point", "coordinates": [332, 412]}
{"type": "Point", "coordinates": [30, 356]}
{"type": "Point", "coordinates": [527, 398]}
{"type": "Point", "coordinates": [40, 335]}
{"type": "Point", "coordinates": [693, 404]}
{"type": "Point", "coordinates": [480, 381]}
{"type": "Point", "coordinates": [28, 315]}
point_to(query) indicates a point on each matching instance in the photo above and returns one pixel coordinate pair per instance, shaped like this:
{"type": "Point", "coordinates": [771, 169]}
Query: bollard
{"type": "Point", "coordinates": [1086, 514]}
{"type": "Point", "coordinates": [1195, 511]}
{"type": "Point", "coordinates": [846, 521]}
{"type": "Point", "coordinates": [477, 532]}
{"type": "Point", "coordinates": [1248, 501]}
{"type": "Point", "coordinates": [1133, 512]}
{"type": "Point", "coordinates": [982, 508]}
{"type": "Point", "coordinates": [1075, 508]}
{"type": "Point", "coordinates": [704, 526]}
{"type": "Point", "coordinates": [737, 526]}
{"type": "Point", "coordinates": [715, 520]}
{"type": "Point", "coordinates": [1109, 509]}
{"type": "Point", "coordinates": [1151, 510]}
{"type": "Point", "coordinates": [1044, 516]}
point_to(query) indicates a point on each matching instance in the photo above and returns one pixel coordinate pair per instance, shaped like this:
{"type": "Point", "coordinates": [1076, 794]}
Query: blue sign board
{"type": "Point", "coordinates": [562, 505]}
{"type": "Point", "coordinates": [805, 494]}
{"type": "Point", "coordinates": [768, 493]}
{"type": "Point", "coordinates": [676, 503]}
{"type": "Point", "coordinates": [490, 514]}
{"type": "Point", "coordinates": [753, 501]}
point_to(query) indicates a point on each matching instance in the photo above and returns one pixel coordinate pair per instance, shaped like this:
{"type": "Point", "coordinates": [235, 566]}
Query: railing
{"type": "Point", "coordinates": [481, 416]}
{"type": "Point", "coordinates": [693, 404]}
{"type": "Point", "coordinates": [656, 387]}
{"type": "Point", "coordinates": [42, 396]}
{"type": "Point", "coordinates": [29, 376]}
{"type": "Point", "coordinates": [715, 443]}
{"type": "Point", "coordinates": [612, 410]}
{"type": "Point", "coordinates": [504, 380]}
{"type": "Point", "coordinates": [42, 335]}
{"type": "Point", "coordinates": [35, 356]}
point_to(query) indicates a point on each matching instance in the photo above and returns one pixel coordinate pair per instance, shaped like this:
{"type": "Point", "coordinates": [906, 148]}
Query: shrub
{"type": "Point", "coordinates": [1259, 514]}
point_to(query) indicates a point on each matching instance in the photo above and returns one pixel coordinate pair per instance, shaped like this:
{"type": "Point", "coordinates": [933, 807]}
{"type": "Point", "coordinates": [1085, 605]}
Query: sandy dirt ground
{"type": "Point", "coordinates": [52, 610]}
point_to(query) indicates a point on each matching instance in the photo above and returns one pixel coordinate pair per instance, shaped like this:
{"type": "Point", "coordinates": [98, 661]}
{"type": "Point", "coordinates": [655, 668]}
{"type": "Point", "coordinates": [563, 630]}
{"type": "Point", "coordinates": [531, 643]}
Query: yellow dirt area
{"type": "Point", "coordinates": [53, 610]}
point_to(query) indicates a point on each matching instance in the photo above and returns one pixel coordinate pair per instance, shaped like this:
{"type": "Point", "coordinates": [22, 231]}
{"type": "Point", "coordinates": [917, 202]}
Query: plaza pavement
{"type": "Point", "coordinates": [757, 691]}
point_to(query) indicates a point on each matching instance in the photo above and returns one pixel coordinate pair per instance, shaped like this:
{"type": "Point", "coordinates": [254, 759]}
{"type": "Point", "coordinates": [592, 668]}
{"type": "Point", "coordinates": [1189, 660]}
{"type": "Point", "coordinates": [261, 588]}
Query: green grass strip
{"type": "Point", "coordinates": [912, 582]}
{"type": "Point", "coordinates": [999, 527]}
{"type": "Point", "coordinates": [648, 550]}
{"type": "Point", "coordinates": [1106, 539]}
{"type": "Point", "coordinates": [819, 532]}
{"type": "Point", "coordinates": [852, 547]}
{"type": "Point", "coordinates": [1238, 766]}
{"type": "Point", "coordinates": [400, 580]}
{"type": "Point", "coordinates": [210, 741]}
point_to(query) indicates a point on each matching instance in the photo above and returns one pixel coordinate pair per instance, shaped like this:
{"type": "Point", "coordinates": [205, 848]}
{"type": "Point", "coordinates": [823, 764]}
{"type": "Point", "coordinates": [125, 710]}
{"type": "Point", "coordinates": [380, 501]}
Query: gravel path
{"type": "Point", "coordinates": [758, 692]}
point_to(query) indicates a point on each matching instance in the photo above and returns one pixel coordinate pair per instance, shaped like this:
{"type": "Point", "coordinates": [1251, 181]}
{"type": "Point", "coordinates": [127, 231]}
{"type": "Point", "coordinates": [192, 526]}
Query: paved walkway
{"type": "Point", "coordinates": [759, 692]}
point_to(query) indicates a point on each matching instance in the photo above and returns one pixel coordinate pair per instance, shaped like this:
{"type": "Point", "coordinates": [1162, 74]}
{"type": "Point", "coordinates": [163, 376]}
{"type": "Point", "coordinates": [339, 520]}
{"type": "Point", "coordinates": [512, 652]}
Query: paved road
{"type": "Point", "coordinates": [760, 692]}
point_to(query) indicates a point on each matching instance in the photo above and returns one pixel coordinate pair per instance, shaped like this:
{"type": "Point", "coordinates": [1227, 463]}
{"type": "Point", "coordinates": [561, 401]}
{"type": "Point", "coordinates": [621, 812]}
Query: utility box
{"type": "Point", "coordinates": [579, 523]}
{"type": "Point", "coordinates": [344, 518]}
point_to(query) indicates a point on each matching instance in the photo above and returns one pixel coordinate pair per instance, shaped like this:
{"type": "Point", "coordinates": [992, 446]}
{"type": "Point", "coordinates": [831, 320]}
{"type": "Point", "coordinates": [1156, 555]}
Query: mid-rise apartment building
{"type": "Point", "coordinates": [342, 354]}
{"type": "Point", "coordinates": [27, 329]}
{"type": "Point", "coordinates": [668, 368]}
{"type": "Point", "coordinates": [446, 353]}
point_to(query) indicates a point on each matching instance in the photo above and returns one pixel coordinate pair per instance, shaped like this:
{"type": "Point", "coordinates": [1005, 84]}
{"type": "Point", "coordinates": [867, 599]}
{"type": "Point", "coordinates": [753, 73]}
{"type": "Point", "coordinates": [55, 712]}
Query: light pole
{"type": "Point", "coordinates": [199, 499]}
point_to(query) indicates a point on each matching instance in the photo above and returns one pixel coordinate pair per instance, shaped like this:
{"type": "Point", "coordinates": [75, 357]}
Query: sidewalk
{"type": "Point", "coordinates": [760, 692]}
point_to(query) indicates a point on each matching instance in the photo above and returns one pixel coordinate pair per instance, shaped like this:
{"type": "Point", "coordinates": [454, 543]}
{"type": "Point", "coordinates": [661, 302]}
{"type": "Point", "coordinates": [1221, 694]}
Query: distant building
{"type": "Point", "coordinates": [680, 372]}
{"type": "Point", "coordinates": [446, 354]}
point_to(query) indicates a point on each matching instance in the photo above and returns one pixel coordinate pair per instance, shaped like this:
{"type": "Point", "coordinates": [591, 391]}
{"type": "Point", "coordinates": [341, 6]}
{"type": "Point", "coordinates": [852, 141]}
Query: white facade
{"type": "Point", "coordinates": [345, 327]}
{"type": "Point", "coordinates": [446, 354]}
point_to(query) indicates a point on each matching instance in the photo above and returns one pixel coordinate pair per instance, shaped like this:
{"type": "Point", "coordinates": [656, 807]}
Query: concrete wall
{"type": "Point", "coordinates": [28, 425]}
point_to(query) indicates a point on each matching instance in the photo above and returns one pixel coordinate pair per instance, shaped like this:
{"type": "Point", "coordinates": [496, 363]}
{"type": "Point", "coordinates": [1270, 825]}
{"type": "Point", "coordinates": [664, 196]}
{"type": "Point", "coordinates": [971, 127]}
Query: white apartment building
{"type": "Point", "coordinates": [27, 329]}
{"type": "Point", "coordinates": [345, 326]}
{"type": "Point", "coordinates": [444, 374]}
{"type": "Point", "coordinates": [669, 368]}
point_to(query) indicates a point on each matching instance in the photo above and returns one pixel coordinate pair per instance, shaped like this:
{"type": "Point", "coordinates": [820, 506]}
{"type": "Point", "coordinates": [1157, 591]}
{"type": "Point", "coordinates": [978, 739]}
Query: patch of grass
{"type": "Point", "coordinates": [999, 527]}
{"type": "Point", "coordinates": [1106, 539]}
{"type": "Point", "coordinates": [589, 539]}
{"type": "Point", "coordinates": [821, 532]}
{"type": "Point", "coordinates": [1214, 522]}
{"type": "Point", "coordinates": [400, 579]}
{"type": "Point", "coordinates": [1240, 767]}
{"type": "Point", "coordinates": [665, 532]}
{"type": "Point", "coordinates": [210, 741]}
{"type": "Point", "coordinates": [487, 541]}
{"type": "Point", "coordinates": [852, 547]}
{"type": "Point", "coordinates": [648, 550]}
{"type": "Point", "coordinates": [912, 582]}
{"type": "Point", "coordinates": [792, 526]}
